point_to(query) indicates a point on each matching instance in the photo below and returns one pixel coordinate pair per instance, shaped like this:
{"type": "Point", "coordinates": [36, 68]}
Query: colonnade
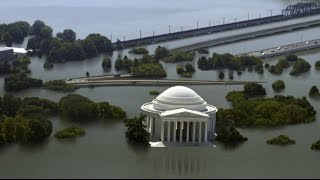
{"type": "Point", "coordinates": [179, 130]}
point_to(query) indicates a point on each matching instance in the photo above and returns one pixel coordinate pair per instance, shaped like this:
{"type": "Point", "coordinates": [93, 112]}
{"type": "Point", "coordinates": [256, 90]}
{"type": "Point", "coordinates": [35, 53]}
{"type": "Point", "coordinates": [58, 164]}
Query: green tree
{"type": "Point", "coordinates": [161, 53]}
{"type": "Point", "coordinates": [221, 75]}
{"type": "Point", "coordinates": [7, 39]}
{"type": "Point", "coordinates": [136, 130]}
{"type": "Point", "coordinates": [78, 108]}
{"type": "Point", "coordinates": [179, 69]}
{"type": "Point", "coordinates": [37, 26]}
{"type": "Point", "coordinates": [10, 104]}
{"type": "Point", "coordinates": [254, 89]}
{"type": "Point", "coordinates": [317, 65]}
{"type": "Point", "coordinates": [189, 68]}
{"type": "Point", "coordinates": [106, 63]}
{"type": "Point", "coordinates": [314, 91]}
{"type": "Point", "coordinates": [278, 85]}
{"type": "Point", "coordinates": [45, 32]}
{"type": "Point", "coordinates": [300, 66]}
{"type": "Point", "coordinates": [89, 48]}
{"type": "Point", "coordinates": [292, 57]}
{"type": "Point", "coordinates": [67, 35]}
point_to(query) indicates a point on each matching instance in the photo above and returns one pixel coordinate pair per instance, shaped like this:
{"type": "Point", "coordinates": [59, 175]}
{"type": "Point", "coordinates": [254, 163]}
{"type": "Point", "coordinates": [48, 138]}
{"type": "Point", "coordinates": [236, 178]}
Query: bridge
{"type": "Point", "coordinates": [244, 36]}
{"type": "Point", "coordinates": [291, 12]}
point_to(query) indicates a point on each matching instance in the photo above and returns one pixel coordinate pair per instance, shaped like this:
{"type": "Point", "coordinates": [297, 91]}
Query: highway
{"type": "Point", "coordinates": [286, 49]}
{"type": "Point", "coordinates": [244, 36]}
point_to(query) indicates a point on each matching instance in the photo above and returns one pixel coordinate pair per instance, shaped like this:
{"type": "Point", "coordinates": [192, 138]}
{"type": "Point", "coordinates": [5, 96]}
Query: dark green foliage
{"type": "Point", "coordinates": [278, 85]}
{"type": "Point", "coordinates": [317, 65]}
{"type": "Point", "coordinates": [37, 26]}
{"type": "Point", "coordinates": [70, 132]}
{"type": "Point", "coordinates": [149, 71]}
{"type": "Point", "coordinates": [136, 131]}
{"type": "Point", "coordinates": [68, 35]}
{"type": "Point", "coordinates": [36, 107]}
{"type": "Point", "coordinates": [221, 61]}
{"type": "Point", "coordinates": [24, 130]}
{"type": "Point", "coordinates": [123, 64]}
{"type": "Point", "coordinates": [153, 93]}
{"type": "Point", "coordinates": [221, 75]}
{"type": "Point", "coordinates": [314, 92]}
{"type": "Point", "coordinates": [179, 69]}
{"type": "Point", "coordinates": [106, 63]}
{"type": "Point", "coordinates": [300, 66]}
{"type": "Point", "coordinates": [180, 56]}
{"type": "Point", "coordinates": [281, 140]}
{"type": "Point", "coordinates": [107, 111]}
{"type": "Point", "coordinates": [20, 81]}
{"type": "Point", "coordinates": [267, 65]}
{"type": "Point", "coordinates": [78, 108]}
{"type": "Point", "coordinates": [230, 135]}
{"type": "Point", "coordinates": [89, 48]}
{"type": "Point", "coordinates": [7, 39]}
{"type": "Point", "coordinates": [10, 104]}
{"type": "Point", "coordinates": [254, 89]}
{"type": "Point", "coordinates": [139, 51]}
{"type": "Point", "coordinates": [102, 43]}
{"type": "Point", "coordinates": [65, 47]}
{"type": "Point", "coordinates": [161, 53]}
{"type": "Point", "coordinates": [270, 112]}
{"type": "Point", "coordinates": [14, 32]}
{"type": "Point", "coordinates": [316, 145]}
{"type": "Point", "coordinates": [234, 96]}
{"type": "Point", "coordinates": [189, 70]}
{"type": "Point", "coordinates": [226, 131]}
{"type": "Point", "coordinates": [5, 68]}
{"type": "Point", "coordinates": [291, 57]}
{"type": "Point", "coordinates": [59, 85]}
{"type": "Point", "coordinates": [278, 68]}
{"type": "Point", "coordinates": [231, 75]}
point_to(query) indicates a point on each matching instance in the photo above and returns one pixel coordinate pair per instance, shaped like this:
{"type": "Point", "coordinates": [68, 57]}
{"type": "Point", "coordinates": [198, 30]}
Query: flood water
{"type": "Point", "coordinates": [104, 153]}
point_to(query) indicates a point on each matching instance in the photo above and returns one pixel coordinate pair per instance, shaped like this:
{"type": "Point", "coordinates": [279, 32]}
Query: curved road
{"type": "Point", "coordinates": [149, 82]}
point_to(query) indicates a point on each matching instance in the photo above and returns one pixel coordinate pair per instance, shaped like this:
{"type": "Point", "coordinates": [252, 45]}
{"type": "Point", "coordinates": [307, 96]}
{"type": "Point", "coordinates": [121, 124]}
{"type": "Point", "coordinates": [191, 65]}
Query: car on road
{"type": "Point", "coordinates": [295, 44]}
{"type": "Point", "coordinates": [307, 42]}
{"type": "Point", "coordinates": [272, 50]}
{"type": "Point", "coordinates": [279, 48]}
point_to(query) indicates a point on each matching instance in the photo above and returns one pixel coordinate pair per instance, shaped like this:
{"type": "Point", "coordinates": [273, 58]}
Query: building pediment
{"type": "Point", "coordinates": [183, 112]}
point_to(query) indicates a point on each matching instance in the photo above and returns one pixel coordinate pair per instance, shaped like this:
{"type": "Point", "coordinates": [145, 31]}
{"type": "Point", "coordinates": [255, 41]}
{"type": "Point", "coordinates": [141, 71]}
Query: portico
{"type": "Point", "coordinates": [172, 118]}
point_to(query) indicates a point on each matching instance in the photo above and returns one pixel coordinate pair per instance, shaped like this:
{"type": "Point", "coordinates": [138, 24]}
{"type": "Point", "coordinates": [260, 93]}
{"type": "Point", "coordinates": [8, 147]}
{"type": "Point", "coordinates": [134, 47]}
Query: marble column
{"type": "Point", "coordinates": [162, 131]}
{"type": "Point", "coordinates": [168, 135]}
{"type": "Point", "coordinates": [181, 129]}
{"type": "Point", "coordinates": [206, 132]}
{"type": "Point", "coordinates": [174, 132]}
{"type": "Point", "coordinates": [187, 140]}
{"type": "Point", "coordinates": [150, 120]}
{"type": "Point", "coordinates": [194, 131]}
{"type": "Point", "coordinates": [200, 131]}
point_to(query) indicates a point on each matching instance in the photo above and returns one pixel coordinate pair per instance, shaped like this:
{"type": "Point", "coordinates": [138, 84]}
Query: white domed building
{"type": "Point", "coordinates": [180, 115]}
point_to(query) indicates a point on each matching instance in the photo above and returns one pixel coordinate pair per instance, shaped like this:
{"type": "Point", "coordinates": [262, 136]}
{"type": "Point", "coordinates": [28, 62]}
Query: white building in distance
{"type": "Point", "coordinates": [180, 115]}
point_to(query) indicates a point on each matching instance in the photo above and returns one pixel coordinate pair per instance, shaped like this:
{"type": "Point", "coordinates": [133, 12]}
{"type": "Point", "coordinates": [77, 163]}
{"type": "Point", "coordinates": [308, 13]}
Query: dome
{"type": "Point", "coordinates": [179, 97]}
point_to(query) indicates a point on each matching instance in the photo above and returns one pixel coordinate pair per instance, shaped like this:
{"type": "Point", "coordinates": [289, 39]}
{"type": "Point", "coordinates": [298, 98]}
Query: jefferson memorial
{"type": "Point", "coordinates": [180, 115]}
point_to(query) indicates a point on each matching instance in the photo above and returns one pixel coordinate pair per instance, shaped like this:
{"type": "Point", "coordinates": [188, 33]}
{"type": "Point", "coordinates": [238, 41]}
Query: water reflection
{"type": "Point", "coordinates": [179, 162]}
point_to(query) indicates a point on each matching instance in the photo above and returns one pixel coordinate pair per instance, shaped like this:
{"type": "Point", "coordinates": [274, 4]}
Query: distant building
{"type": "Point", "coordinates": [6, 54]}
{"type": "Point", "coordinates": [180, 115]}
